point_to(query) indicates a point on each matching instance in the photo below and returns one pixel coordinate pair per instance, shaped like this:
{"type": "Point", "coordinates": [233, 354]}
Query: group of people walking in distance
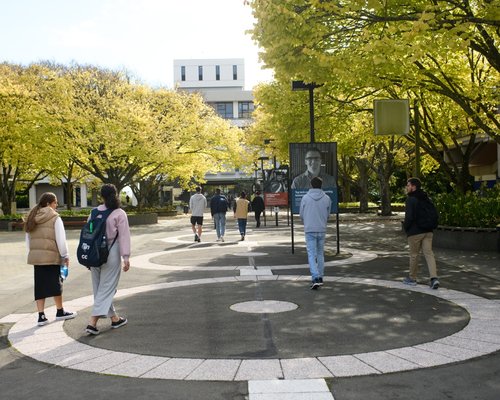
{"type": "Point", "coordinates": [219, 206]}
{"type": "Point", "coordinates": [48, 250]}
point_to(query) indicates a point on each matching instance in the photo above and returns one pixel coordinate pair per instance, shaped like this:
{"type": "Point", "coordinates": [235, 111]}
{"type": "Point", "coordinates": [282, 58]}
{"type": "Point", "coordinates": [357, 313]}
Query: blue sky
{"type": "Point", "coordinates": [141, 36]}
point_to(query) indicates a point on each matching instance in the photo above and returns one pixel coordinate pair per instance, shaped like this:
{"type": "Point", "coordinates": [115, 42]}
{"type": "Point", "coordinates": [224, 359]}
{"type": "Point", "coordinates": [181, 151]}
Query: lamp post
{"type": "Point", "coordinates": [301, 85]}
{"type": "Point", "coordinates": [262, 159]}
{"type": "Point", "coordinates": [263, 177]}
{"type": "Point", "coordinates": [268, 142]}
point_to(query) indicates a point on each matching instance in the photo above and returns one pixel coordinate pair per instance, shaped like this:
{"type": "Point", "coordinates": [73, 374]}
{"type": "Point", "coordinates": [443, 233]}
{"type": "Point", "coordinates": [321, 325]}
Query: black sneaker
{"type": "Point", "coordinates": [92, 330]}
{"type": "Point", "coordinates": [320, 281]}
{"type": "Point", "coordinates": [195, 237]}
{"type": "Point", "coordinates": [65, 315]}
{"type": "Point", "coordinates": [434, 283]}
{"type": "Point", "coordinates": [122, 321]}
{"type": "Point", "coordinates": [314, 285]}
{"type": "Point", "coordinates": [42, 320]}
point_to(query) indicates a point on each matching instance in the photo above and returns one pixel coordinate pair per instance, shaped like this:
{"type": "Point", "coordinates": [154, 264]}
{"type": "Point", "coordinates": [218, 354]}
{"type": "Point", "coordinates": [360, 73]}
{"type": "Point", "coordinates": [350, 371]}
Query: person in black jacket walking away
{"type": "Point", "coordinates": [258, 206]}
{"type": "Point", "coordinates": [218, 208]}
{"type": "Point", "coordinates": [419, 234]}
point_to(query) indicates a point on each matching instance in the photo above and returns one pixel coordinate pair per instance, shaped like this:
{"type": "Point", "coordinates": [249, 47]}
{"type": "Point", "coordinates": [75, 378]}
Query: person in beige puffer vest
{"type": "Point", "coordinates": [241, 210]}
{"type": "Point", "coordinates": [47, 250]}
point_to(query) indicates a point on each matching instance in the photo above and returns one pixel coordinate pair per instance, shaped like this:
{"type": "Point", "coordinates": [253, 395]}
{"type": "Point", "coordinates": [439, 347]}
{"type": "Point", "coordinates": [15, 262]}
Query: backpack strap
{"type": "Point", "coordinates": [114, 240]}
{"type": "Point", "coordinates": [95, 212]}
{"type": "Point", "coordinates": [105, 214]}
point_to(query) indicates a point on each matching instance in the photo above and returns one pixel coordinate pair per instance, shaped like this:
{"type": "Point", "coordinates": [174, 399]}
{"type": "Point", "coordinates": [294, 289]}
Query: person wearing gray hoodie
{"type": "Point", "coordinates": [314, 211]}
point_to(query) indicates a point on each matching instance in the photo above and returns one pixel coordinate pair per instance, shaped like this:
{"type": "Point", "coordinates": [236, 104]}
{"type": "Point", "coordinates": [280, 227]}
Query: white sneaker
{"type": "Point", "coordinates": [222, 238]}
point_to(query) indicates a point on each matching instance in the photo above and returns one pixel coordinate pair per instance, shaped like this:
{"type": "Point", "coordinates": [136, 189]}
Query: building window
{"type": "Point", "coordinates": [183, 73]}
{"type": "Point", "coordinates": [225, 110]}
{"type": "Point", "coordinates": [245, 109]}
{"type": "Point", "coordinates": [200, 72]}
{"type": "Point", "coordinates": [235, 72]}
{"type": "Point", "coordinates": [217, 72]}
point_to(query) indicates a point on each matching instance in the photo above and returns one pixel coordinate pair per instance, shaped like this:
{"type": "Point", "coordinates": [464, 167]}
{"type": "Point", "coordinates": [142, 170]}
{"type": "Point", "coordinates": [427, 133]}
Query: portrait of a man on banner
{"type": "Point", "coordinates": [308, 161]}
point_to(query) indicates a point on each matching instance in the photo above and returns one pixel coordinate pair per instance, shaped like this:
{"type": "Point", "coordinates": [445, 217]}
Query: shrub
{"type": "Point", "coordinates": [12, 217]}
{"type": "Point", "coordinates": [354, 204]}
{"type": "Point", "coordinates": [479, 209]}
{"type": "Point", "coordinates": [84, 212]}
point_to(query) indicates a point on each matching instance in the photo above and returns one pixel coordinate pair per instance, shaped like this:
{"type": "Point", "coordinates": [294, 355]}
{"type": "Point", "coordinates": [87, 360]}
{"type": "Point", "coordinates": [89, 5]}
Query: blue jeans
{"type": "Point", "coordinates": [220, 224]}
{"type": "Point", "coordinates": [315, 243]}
{"type": "Point", "coordinates": [242, 226]}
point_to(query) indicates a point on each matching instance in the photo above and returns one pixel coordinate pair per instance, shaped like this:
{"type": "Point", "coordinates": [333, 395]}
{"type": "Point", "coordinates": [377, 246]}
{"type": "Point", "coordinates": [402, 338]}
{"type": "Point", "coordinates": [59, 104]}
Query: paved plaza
{"type": "Point", "coordinates": [236, 320]}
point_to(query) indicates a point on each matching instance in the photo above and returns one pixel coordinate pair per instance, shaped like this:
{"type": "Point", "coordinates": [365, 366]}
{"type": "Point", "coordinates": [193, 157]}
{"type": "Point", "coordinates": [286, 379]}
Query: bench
{"type": "Point", "coordinates": [13, 225]}
{"type": "Point", "coordinates": [74, 224]}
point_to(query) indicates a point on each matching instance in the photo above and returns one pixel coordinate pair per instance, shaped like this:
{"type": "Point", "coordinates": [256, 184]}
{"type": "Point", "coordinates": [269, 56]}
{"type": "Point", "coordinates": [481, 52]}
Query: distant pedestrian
{"type": "Point", "coordinates": [241, 209]}
{"type": "Point", "coordinates": [47, 251]}
{"type": "Point", "coordinates": [419, 232]}
{"type": "Point", "coordinates": [314, 211]}
{"type": "Point", "coordinates": [218, 209]}
{"type": "Point", "coordinates": [230, 200]}
{"type": "Point", "coordinates": [257, 207]}
{"type": "Point", "coordinates": [197, 204]}
{"type": "Point", "coordinates": [106, 277]}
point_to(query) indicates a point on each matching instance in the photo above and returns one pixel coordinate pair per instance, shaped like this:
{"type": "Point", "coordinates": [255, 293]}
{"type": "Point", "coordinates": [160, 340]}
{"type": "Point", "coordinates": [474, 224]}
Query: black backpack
{"type": "Point", "coordinates": [427, 215]}
{"type": "Point", "coordinates": [93, 248]}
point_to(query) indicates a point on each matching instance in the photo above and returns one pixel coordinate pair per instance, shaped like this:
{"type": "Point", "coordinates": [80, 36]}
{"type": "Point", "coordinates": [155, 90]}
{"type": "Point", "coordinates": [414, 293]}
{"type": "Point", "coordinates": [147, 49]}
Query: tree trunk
{"type": "Point", "coordinates": [384, 169]}
{"type": "Point", "coordinates": [363, 187]}
{"type": "Point", "coordinates": [69, 187]}
{"type": "Point", "coordinates": [385, 195]}
{"type": "Point", "coordinates": [346, 190]}
{"type": "Point", "coordinates": [8, 189]}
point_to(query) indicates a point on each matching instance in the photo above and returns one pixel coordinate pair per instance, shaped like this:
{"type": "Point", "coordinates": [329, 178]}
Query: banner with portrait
{"type": "Point", "coordinates": [308, 160]}
{"type": "Point", "coordinates": [276, 187]}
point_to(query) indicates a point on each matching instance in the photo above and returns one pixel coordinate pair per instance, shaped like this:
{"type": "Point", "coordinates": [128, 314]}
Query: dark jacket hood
{"type": "Point", "coordinates": [419, 194]}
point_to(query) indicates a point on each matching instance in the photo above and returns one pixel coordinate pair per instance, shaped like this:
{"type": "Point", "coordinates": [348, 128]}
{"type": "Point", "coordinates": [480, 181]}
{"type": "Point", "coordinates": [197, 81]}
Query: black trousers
{"type": "Point", "coordinates": [257, 218]}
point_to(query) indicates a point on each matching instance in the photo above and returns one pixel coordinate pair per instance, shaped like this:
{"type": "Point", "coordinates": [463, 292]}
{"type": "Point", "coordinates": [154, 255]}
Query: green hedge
{"type": "Point", "coordinates": [479, 209]}
{"type": "Point", "coordinates": [354, 204]}
{"type": "Point", "coordinates": [11, 217]}
{"type": "Point", "coordinates": [84, 212]}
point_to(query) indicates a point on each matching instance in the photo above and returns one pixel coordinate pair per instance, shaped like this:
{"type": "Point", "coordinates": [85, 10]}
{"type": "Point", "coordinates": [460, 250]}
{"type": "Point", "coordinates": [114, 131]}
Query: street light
{"type": "Point", "coordinates": [262, 159]}
{"type": "Point", "coordinates": [301, 85]}
{"type": "Point", "coordinates": [268, 142]}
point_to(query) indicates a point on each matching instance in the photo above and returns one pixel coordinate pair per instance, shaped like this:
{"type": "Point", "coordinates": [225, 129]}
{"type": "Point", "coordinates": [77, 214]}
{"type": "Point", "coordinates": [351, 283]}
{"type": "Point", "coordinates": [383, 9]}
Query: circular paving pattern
{"type": "Point", "coordinates": [52, 345]}
{"type": "Point", "coordinates": [179, 259]}
{"type": "Point", "coordinates": [449, 344]}
{"type": "Point", "coordinates": [340, 319]}
{"type": "Point", "coordinates": [264, 307]}
{"type": "Point", "coordinates": [250, 254]}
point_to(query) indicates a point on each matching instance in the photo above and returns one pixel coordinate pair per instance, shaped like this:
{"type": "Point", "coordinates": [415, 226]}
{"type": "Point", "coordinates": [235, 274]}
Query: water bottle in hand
{"type": "Point", "coordinates": [64, 272]}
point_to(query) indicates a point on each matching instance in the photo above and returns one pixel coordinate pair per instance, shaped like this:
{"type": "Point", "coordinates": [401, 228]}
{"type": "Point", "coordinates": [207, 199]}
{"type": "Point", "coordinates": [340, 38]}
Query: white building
{"type": "Point", "coordinates": [221, 83]}
{"type": "Point", "coordinates": [45, 185]}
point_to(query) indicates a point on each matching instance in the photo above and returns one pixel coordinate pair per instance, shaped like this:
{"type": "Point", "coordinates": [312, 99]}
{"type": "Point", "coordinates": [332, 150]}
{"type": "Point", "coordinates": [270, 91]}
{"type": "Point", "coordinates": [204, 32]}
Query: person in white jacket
{"type": "Point", "coordinates": [197, 204]}
{"type": "Point", "coordinates": [314, 211]}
